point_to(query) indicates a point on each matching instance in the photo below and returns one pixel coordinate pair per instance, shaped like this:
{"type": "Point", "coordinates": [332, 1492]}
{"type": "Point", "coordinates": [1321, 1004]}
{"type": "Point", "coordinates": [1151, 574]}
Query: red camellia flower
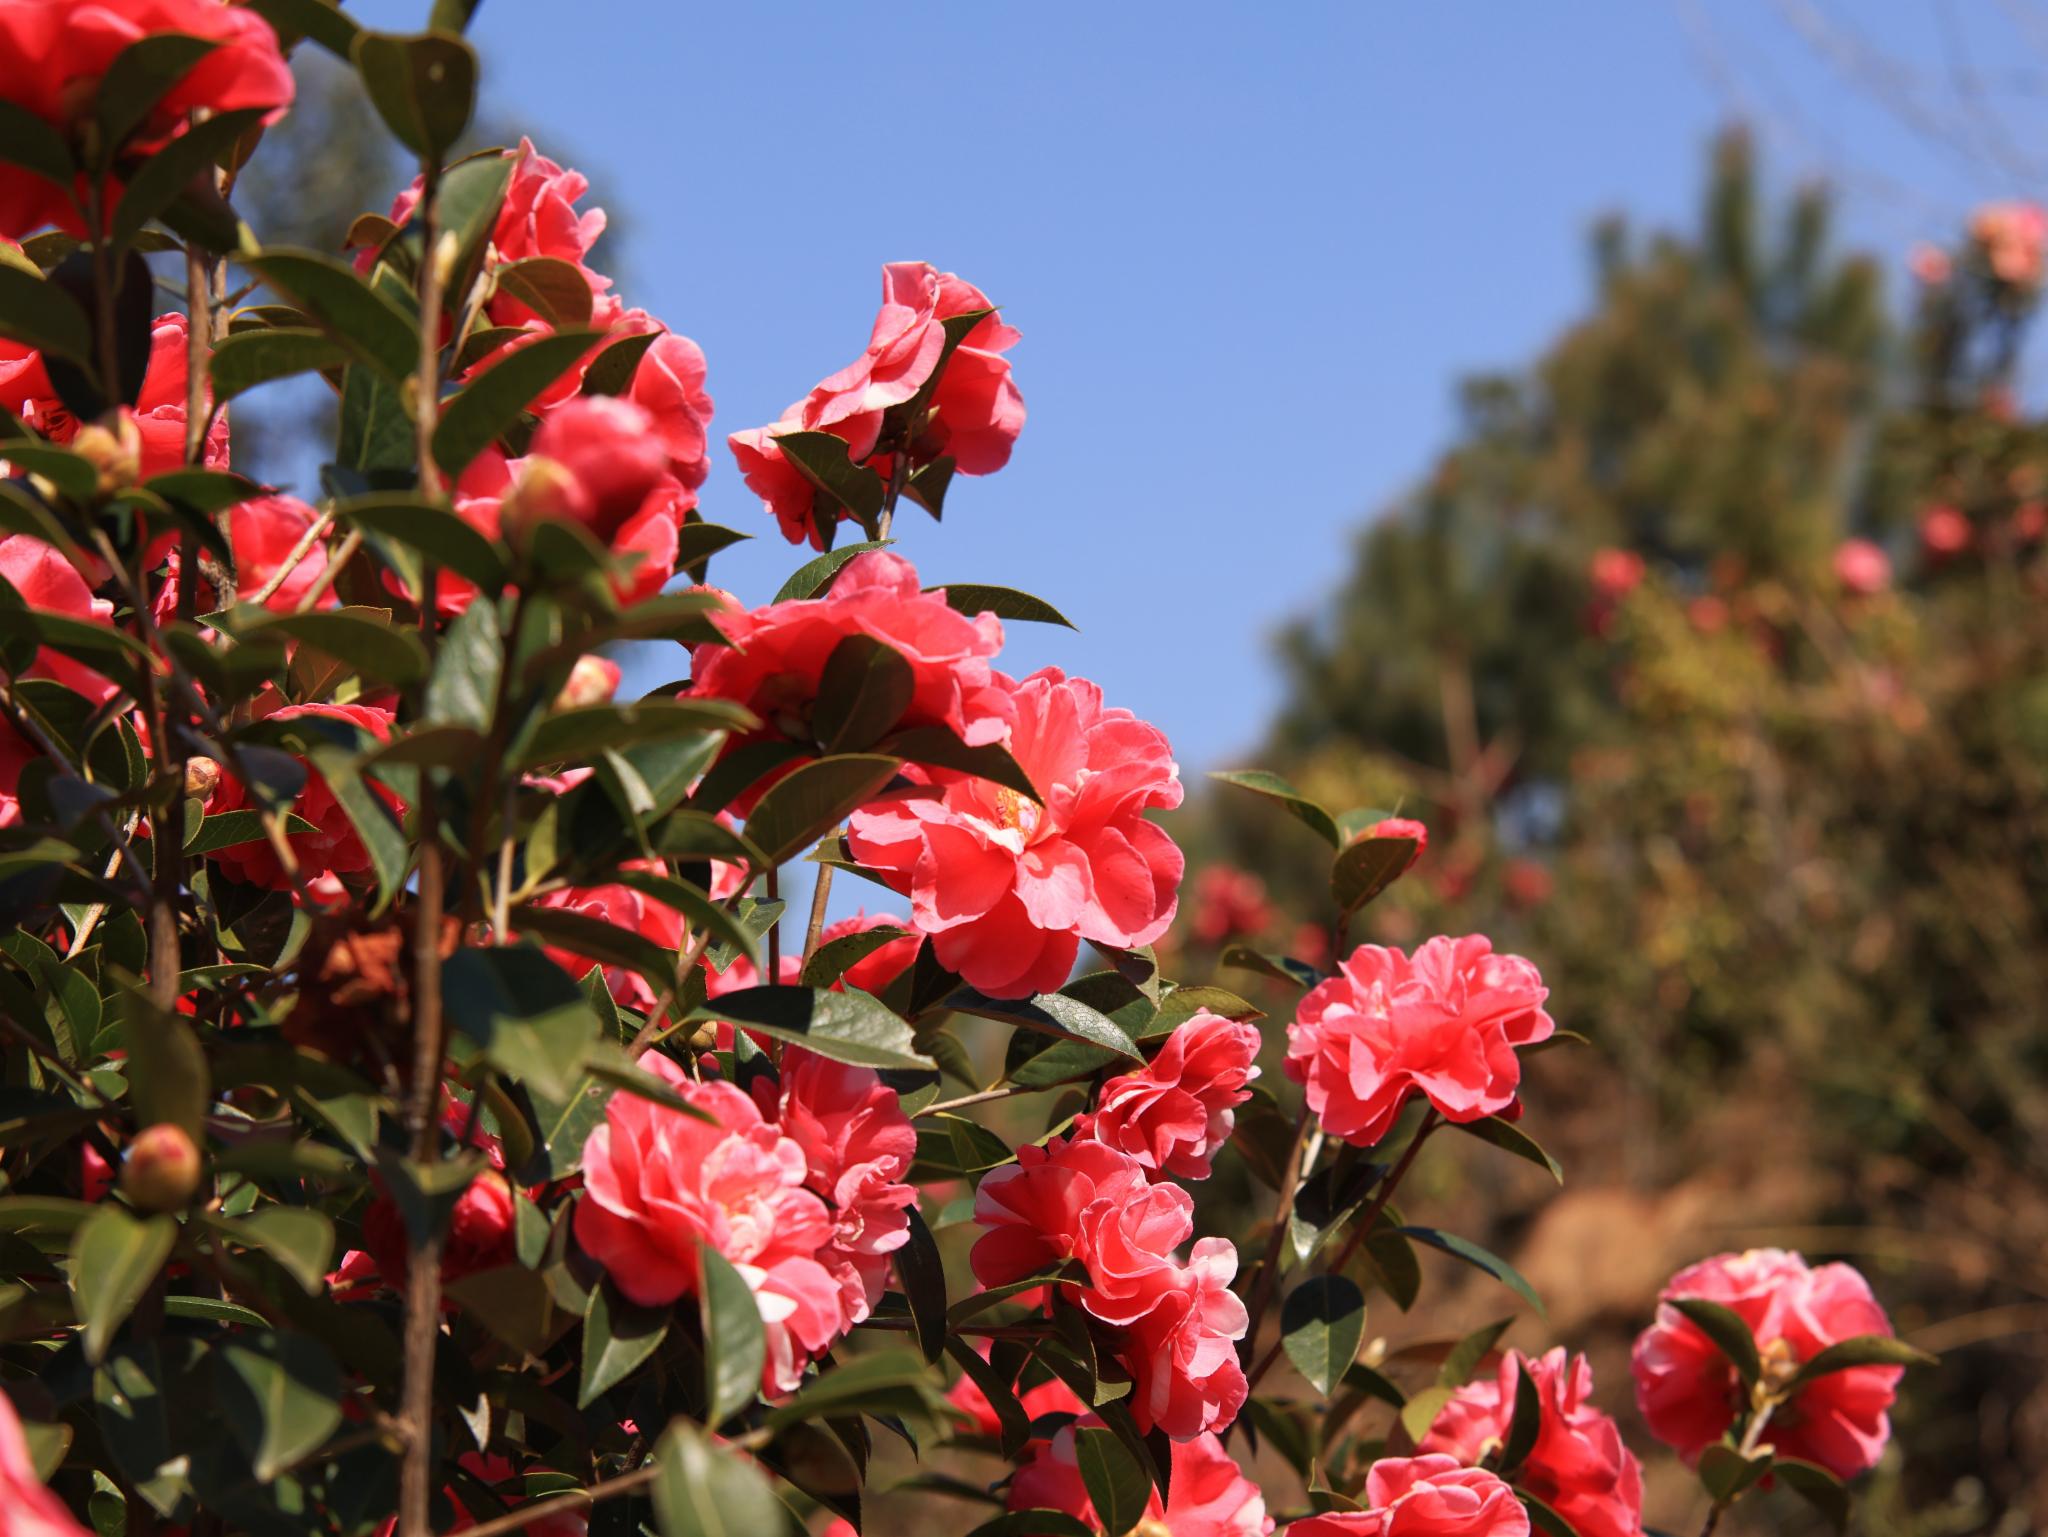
{"type": "Point", "coordinates": [1425, 1497]}
{"type": "Point", "coordinates": [1862, 568]}
{"type": "Point", "coordinates": [1008, 888]}
{"type": "Point", "coordinates": [1444, 1024]}
{"type": "Point", "coordinates": [1615, 573]}
{"type": "Point", "coordinates": [657, 1183]}
{"type": "Point", "coordinates": [669, 386]}
{"type": "Point", "coordinates": [332, 847]}
{"type": "Point", "coordinates": [53, 54]}
{"type": "Point", "coordinates": [1229, 902]}
{"type": "Point", "coordinates": [1174, 1113]}
{"type": "Point", "coordinates": [263, 532]}
{"type": "Point", "coordinates": [973, 416]}
{"type": "Point", "coordinates": [878, 968]}
{"type": "Point", "coordinates": [158, 416]}
{"type": "Point", "coordinates": [773, 660]}
{"type": "Point", "coordinates": [28, 1506]}
{"type": "Point", "coordinates": [624, 907]}
{"type": "Point", "coordinates": [613, 461]}
{"type": "Point", "coordinates": [50, 583]}
{"type": "Point", "coordinates": [857, 1145]}
{"type": "Point", "coordinates": [479, 1233]}
{"type": "Point", "coordinates": [1944, 532]}
{"type": "Point", "coordinates": [1689, 1393]}
{"type": "Point", "coordinates": [1084, 1200]}
{"type": "Point", "coordinates": [1211, 1497]}
{"type": "Point", "coordinates": [1578, 1466]}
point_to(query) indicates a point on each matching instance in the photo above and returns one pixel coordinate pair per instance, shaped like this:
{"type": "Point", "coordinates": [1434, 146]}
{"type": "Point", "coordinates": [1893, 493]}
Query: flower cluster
{"type": "Point", "coordinates": [1209, 1496]}
{"type": "Point", "coordinates": [1427, 1496]}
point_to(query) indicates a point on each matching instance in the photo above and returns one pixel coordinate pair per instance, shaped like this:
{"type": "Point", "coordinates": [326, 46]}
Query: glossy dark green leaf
{"type": "Point", "coordinates": [370, 326]}
{"type": "Point", "coordinates": [1002, 1398]}
{"type": "Point", "coordinates": [1480, 1259]}
{"type": "Point", "coordinates": [166, 175]}
{"type": "Point", "coordinates": [1725, 1328]}
{"type": "Point", "coordinates": [1365, 867]}
{"type": "Point", "coordinates": [531, 1020]}
{"type": "Point", "coordinates": [923, 1274]}
{"type": "Point", "coordinates": [1118, 1484]}
{"type": "Point", "coordinates": [1510, 1138]}
{"type": "Point", "coordinates": [701, 1489]}
{"type": "Point", "coordinates": [168, 1076]}
{"type": "Point", "coordinates": [1470, 1353]}
{"type": "Point", "coordinates": [1281, 968]}
{"type": "Point", "coordinates": [597, 940]}
{"type": "Point", "coordinates": [822, 459]}
{"type": "Point", "coordinates": [735, 1349]}
{"type": "Point", "coordinates": [115, 1255]}
{"type": "Point", "coordinates": [1322, 1324]}
{"type": "Point", "coordinates": [320, 20]}
{"type": "Point", "coordinates": [618, 1335]}
{"type": "Point", "coordinates": [1862, 1350]}
{"type": "Point", "coordinates": [1543, 1519]}
{"type": "Point", "coordinates": [888, 1382]}
{"type": "Point", "coordinates": [1726, 1472]}
{"type": "Point", "coordinates": [488, 406]}
{"type": "Point", "coordinates": [611, 371]}
{"type": "Point", "coordinates": [436, 533]}
{"type": "Point", "coordinates": [377, 648]}
{"type": "Point", "coordinates": [423, 85]}
{"type": "Point", "coordinates": [1003, 602]}
{"type": "Point", "coordinates": [281, 1397]}
{"type": "Point", "coordinates": [1817, 1486]}
{"type": "Point", "coordinates": [553, 289]}
{"type": "Point", "coordinates": [863, 692]}
{"type": "Point", "coordinates": [201, 490]}
{"type": "Point", "coordinates": [813, 577]}
{"type": "Point", "coordinates": [834, 958]}
{"type": "Point", "coordinates": [846, 1026]}
{"type": "Point", "coordinates": [1526, 1424]}
{"type": "Point", "coordinates": [29, 142]}
{"type": "Point", "coordinates": [1053, 1014]}
{"type": "Point", "coordinates": [137, 79]}
{"type": "Point", "coordinates": [938, 747]}
{"type": "Point", "coordinates": [1274, 788]}
{"type": "Point", "coordinates": [463, 688]}
{"type": "Point", "coordinates": [579, 734]}
{"type": "Point", "coordinates": [803, 806]}
{"type": "Point", "coordinates": [245, 359]}
{"type": "Point", "coordinates": [39, 314]}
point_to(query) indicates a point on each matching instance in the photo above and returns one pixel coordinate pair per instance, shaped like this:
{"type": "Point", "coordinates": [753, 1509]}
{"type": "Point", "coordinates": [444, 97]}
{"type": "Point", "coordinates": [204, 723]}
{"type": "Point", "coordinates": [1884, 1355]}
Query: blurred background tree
{"type": "Point", "coordinates": [1713, 655]}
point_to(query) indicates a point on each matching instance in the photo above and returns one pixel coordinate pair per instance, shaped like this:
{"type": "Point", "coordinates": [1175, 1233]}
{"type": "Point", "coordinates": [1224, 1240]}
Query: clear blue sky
{"type": "Point", "coordinates": [1250, 249]}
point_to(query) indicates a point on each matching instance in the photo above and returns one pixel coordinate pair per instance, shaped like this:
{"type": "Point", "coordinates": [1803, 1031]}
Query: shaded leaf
{"type": "Point", "coordinates": [735, 1348]}
{"type": "Point", "coordinates": [1118, 1484]}
{"type": "Point", "coordinates": [370, 326]}
{"type": "Point", "coordinates": [1322, 1324]}
{"type": "Point", "coordinates": [618, 1335]}
{"type": "Point", "coordinates": [423, 86]}
{"type": "Point", "coordinates": [813, 576]}
{"type": "Point", "coordinates": [1003, 602]}
{"type": "Point", "coordinates": [702, 1490]}
{"type": "Point", "coordinates": [280, 1394]}
{"type": "Point", "coordinates": [803, 806]}
{"type": "Point", "coordinates": [1480, 1258]}
{"type": "Point", "coordinates": [846, 1026]}
{"type": "Point", "coordinates": [1725, 1327]}
{"type": "Point", "coordinates": [114, 1258]}
{"type": "Point", "coordinates": [492, 402]}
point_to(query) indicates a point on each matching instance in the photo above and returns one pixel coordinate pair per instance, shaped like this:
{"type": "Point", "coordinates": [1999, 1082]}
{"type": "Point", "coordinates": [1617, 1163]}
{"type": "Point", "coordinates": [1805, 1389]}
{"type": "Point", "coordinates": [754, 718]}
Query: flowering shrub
{"type": "Point", "coordinates": [486, 1158]}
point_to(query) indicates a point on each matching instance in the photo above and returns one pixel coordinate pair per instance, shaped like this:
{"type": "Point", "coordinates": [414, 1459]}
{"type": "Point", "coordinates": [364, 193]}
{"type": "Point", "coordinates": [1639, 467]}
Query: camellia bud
{"type": "Point", "coordinates": [201, 775]}
{"type": "Point", "coordinates": [161, 1170]}
{"type": "Point", "coordinates": [611, 451]}
{"type": "Point", "coordinates": [545, 489]}
{"type": "Point", "coordinates": [1402, 827]}
{"type": "Point", "coordinates": [115, 452]}
{"type": "Point", "coordinates": [593, 680]}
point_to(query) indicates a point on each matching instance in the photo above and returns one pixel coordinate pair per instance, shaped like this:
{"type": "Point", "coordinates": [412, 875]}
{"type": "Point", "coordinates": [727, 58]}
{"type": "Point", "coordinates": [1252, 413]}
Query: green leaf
{"type": "Point", "coordinates": [833, 960]}
{"type": "Point", "coordinates": [1726, 1472]}
{"type": "Point", "coordinates": [980, 1302]}
{"type": "Point", "coordinates": [1053, 1014]}
{"type": "Point", "coordinates": [611, 371]}
{"type": "Point", "coordinates": [1010, 1415]}
{"type": "Point", "coordinates": [167, 1078]}
{"type": "Point", "coordinates": [1817, 1486]}
{"type": "Point", "coordinates": [618, 1335]}
{"type": "Point", "coordinates": [376, 648]}
{"type": "Point", "coordinates": [281, 1396]}
{"type": "Point", "coordinates": [1510, 1138]}
{"type": "Point", "coordinates": [369, 325]}
{"type": "Point", "coordinates": [864, 690]}
{"type": "Point", "coordinates": [1470, 1353]}
{"type": "Point", "coordinates": [245, 359]}
{"type": "Point", "coordinates": [923, 1274]}
{"type": "Point", "coordinates": [531, 1020]}
{"type": "Point", "coordinates": [809, 580]}
{"type": "Point", "coordinates": [1525, 1426]}
{"type": "Point", "coordinates": [735, 1348]}
{"type": "Point", "coordinates": [29, 142]}
{"type": "Point", "coordinates": [1422, 1408]}
{"type": "Point", "coordinates": [297, 1237]}
{"type": "Point", "coordinates": [423, 85]}
{"type": "Point", "coordinates": [115, 1256]}
{"type": "Point", "coordinates": [213, 1310]}
{"type": "Point", "coordinates": [888, 1382]}
{"type": "Point", "coordinates": [320, 20]}
{"type": "Point", "coordinates": [169, 173]}
{"type": "Point", "coordinates": [1322, 1324]}
{"type": "Point", "coordinates": [803, 806]}
{"type": "Point", "coordinates": [1729, 1334]}
{"type": "Point", "coordinates": [1481, 1259]}
{"type": "Point", "coordinates": [1033, 1523]}
{"type": "Point", "coordinates": [598, 940]}
{"type": "Point", "coordinates": [938, 747]}
{"type": "Point", "coordinates": [1543, 1519]}
{"type": "Point", "coordinates": [703, 1490]}
{"type": "Point", "coordinates": [43, 1213]}
{"type": "Point", "coordinates": [1118, 1484]}
{"type": "Point", "coordinates": [580, 734]}
{"type": "Point", "coordinates": [138, 78]}
{"type": "Point", "coordinates": [822, 459]}
{"type": "Point", "coordinates": [553, 289]}
{"type": "Point", "coordinates": [203, 491]}
{"type": "Point", "coordinates": [41, 315]}
{"type": "Point", "coordinates": [463, 690]}
{"type": "Point", "coordinates": [1365, 867]}
{"type": "Point", "coordinates": [1274, 788]}
{"type": "Point", "coordinates": [1861, 1350]}
{"type": "Point", "coordinates": [1281, 968]}
{"type": "Point", "coordinates": [846, 1026]}
{"type": "Point", "coordinates": [1003, 602]}
{"type": "Point", "coordinates": [232, 829]}
{"type": "Point", "coordinates": [435, 532]}
{"type": "Point", "coordinates": [492, 402]}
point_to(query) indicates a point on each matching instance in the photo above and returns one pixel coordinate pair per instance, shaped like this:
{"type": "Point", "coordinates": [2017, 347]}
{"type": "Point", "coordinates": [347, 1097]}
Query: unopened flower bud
{"type": "Point", "coordinates": [115, 452]}
{"type": "Point", "coordinates": [593, 680]}
{"type": "Point", "coordinates": [1402, 827]}
{"type": "Point", "coordinates": [545, 489]}
{"type": "Point", "coordinates": [201, 775]}
{"type": "Point", "coordinates": [161, 1170]}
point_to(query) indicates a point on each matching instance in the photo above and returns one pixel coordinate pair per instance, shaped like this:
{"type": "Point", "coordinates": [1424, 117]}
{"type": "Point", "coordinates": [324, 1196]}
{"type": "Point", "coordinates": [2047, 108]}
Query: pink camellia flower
{"type": "Point", "coordinates": [50, 583]}
{"type": "Point", "coordinates": [1444, 1024]}
{"type": "Point", "coordinates": [774, 657]}
{"type": "Point", "coordinates": [1578, 1466]}
{"type": "Point", "coordinates": [973, 415]}
{"type": "Point", "coordinates": [1084, 1200]}
{"type": "Point", "coordinates": [613, 458]}
{"type": "Point", "coordinates": [1861, 567]}
{"type": "Point", "coordinates": [1944, 532]}
{"type": "Point", "coordinates": [593, 680]}
{"type": "Point", "coordinates": [624, 907]}
{"type": "Point", "coordinates": [1174, 1113]}
{"type": "Point", "coordinates": [668, 385]}
{"type": "Point", "coordinates": [332, 847]}
{"type": "Point", "coordinates": [657, 1183]}
{"type": "Point", "coordinates": [1008, 888]}
{"type": "Point", "coordinates": [1929, 264]}
{"type": "Point", "coordinates": [53, 54]}
{"type": "Point", "coordinates": [262, 532]}
{"type": "Point", "coordinates": [1689, 1393]}
{"type": "Point", "coordinates": [1401, 827]}
{"type": "Point", "coordinates": [1049, 1397]}
{"type": "Point", "coordinates": [1425, 1497]}
{"type": "Point", "coordinates": [1615, 573]}
{"type": "Point", "coordinates": [878, 968]}
{"type": "Point", "coordinates": [1211, 1495]}
{"type": "Point", "coordinates": [857, 1146]}
{"type": "Point", "coordinates": [28, 1506]}
{"type": "Point", "coordinates": [2012, 236]}
{"type": "Point", "coordinates": [1229, 902]}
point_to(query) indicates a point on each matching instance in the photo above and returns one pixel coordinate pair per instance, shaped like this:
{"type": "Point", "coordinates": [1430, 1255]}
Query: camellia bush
{"type": "Point", "coordinates": [415, 1118]}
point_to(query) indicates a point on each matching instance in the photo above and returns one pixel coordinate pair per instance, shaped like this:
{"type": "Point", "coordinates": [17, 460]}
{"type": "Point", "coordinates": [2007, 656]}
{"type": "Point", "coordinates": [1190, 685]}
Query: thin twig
{"type": "Point", "coordinates": [315, 531]}
{"type": "Point", "coordinates": [982, 1098]}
